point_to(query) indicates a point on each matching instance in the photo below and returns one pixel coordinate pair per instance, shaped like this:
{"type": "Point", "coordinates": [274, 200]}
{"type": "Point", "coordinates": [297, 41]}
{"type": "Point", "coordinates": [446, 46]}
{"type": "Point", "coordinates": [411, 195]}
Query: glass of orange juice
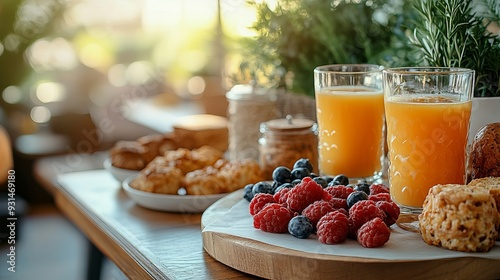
{"type": "Point", "coordinates": [427, 112]}
{"type": "Point", "coordinates": [350, 116]}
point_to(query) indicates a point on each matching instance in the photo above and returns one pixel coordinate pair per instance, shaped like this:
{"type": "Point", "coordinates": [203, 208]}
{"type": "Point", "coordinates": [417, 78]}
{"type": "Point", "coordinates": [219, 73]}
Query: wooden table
{"type": "Point", "coordinates": [144, 244]}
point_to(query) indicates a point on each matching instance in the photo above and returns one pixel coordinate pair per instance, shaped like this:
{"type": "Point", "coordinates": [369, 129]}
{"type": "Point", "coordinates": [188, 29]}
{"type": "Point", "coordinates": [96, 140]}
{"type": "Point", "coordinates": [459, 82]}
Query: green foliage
{"type": "Point", "coordinates": [23, 22]}
{"type": "Point", "coordinates": [298, 35]}
{"type": "Point", "coordinates": [449, 33]}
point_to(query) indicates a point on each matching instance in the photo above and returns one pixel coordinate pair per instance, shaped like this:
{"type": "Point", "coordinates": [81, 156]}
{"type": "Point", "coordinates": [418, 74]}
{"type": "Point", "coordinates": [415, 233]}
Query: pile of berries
{"type": "Point", "coordinates": [302, 203]}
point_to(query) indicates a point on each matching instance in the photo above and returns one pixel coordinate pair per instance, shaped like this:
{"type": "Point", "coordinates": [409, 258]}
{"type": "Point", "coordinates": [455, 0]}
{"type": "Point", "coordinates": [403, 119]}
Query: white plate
{"type": "Point", "coordinates": [169, 202]}
{"type": "Point", "coordinates": [120, 174]}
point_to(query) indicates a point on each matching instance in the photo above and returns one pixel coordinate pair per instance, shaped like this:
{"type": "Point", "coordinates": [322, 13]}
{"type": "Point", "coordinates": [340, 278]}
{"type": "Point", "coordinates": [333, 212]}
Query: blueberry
{"type": "Point", "coordinates": [283, 186]}
{"type": "Point", "coordinates": [313, 175]}
{"type": "Point", "coordinates": [340, 179]}
{"type": "Point", "coordinates": [356, 196]}
{"type": "Point", "coordinates": [262, 187]}
{"type": "Point", "coordinates": [303, 163]}
{"type": "Point", "coordinates": [295, 182]}
{"type": "Point", "coordinates": [300, 227]}
{"type": "Point", "coordinates": [365, 187]}
{"type": "Point", "coordinates": [321, 181]}
{"type": "Point", "coordinates": [300, 173]}
{"type": "Point", "coordinates": [247, 192]}
{"type": "Point", "coordinates": [274, 186]}
{"type": "Point", "coordinates": [282, 174]}
{"type": "Point", "coordinates": [328, 178]}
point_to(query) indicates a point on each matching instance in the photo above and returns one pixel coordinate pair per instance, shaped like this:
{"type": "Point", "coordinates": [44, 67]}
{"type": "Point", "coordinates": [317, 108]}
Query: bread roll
{"type": "Point", "coordinates": [485, 154]}
{"type": "Point", "coordinates": [129, 155]}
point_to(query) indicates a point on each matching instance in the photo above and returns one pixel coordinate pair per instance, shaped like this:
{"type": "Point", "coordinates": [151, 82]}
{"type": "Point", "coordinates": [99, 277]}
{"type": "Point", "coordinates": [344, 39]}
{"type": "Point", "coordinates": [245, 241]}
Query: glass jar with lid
{"type": "Point", "coordinates": [284, 141]}
{"type": "Point", "coordinates": [248, 108]}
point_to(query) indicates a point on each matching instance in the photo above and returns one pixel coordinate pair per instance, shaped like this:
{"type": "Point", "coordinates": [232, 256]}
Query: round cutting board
{"type": "Point", "coordinates": [274, 262]}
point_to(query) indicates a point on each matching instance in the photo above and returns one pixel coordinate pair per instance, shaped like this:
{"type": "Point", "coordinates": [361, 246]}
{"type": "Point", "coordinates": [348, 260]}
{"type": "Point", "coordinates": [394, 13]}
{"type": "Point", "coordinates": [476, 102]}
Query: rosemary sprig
{"type": "Point", "coordinates": [450, 33]}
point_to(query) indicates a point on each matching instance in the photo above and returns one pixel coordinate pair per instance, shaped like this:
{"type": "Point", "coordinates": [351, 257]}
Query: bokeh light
{"type": "Point", "coordinates": [196, 85]}
{"type": "Point", "coordinates": [139, 72]}
{"type": "Point", "coordinates": [116, 75]}
{"type": "Point", "coordinates": [95, 55]}
{"type": "Point", "coordinates": [12, 94]}
{"type": "Point", "coordinates": [50, 92]}
{"type": "Point", "coordinates": [40, 114]}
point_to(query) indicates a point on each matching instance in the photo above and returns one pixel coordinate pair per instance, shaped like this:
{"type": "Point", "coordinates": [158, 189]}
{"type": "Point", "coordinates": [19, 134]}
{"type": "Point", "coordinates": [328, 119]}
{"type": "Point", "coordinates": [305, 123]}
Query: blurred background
{"type": "Point", "coordinates": [72, 70]}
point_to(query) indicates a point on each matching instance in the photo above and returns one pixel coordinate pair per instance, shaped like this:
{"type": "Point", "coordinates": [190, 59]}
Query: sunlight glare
{"type": "Point", "coordinates": [50, 92]}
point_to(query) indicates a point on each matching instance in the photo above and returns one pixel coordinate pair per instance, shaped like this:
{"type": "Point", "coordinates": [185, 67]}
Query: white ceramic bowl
{"type": "Point", "coordinates": [120, 174]}
{"type": "Point", "coordinates": [170, 202]}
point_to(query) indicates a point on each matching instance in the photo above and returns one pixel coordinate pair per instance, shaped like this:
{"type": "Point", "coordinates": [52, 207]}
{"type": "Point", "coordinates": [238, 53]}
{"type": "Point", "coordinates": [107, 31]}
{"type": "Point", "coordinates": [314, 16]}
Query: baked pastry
{"type": "Point", "coordinates": [239, 173]}
{"type": "Point", "coordinates": [460, 218]}
{"type": "Point", "coordinates": [129, 155]}
{"type": "Point", "coordinates": [223, 177]}
{"type": "Point", "coordinates": [492, 184]}
{"type": "Point", "coordinates": [157, 144]}
{"type": "Point", "coordinates": [158, 179]}
{"type": "Point", "coordinates": [204, 181]}
{"type": "Point", "coordinates": [189, 160]}
{"type": "Point", "coordinates": [485, 153]}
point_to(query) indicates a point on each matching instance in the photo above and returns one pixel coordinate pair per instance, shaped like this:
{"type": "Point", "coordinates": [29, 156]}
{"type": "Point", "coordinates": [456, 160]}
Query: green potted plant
{"type": "Point", "coordinates": [295, 36]}
{"type": "Point", "coordinates": [458, 33]}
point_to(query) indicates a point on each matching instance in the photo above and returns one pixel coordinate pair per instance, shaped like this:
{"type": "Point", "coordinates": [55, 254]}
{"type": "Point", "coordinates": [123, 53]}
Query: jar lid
{"type": "Point", "coordinates": [289, 124]}
{"type": "Point", "coordinates": [251, 93]}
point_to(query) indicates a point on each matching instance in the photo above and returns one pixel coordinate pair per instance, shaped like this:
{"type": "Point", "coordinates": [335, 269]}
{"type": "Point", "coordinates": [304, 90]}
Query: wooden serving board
{"type": "Point", "coordinates": [274, 262]}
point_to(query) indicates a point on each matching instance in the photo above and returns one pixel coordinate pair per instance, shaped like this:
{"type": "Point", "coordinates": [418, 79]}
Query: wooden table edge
{"type": "Point", "coordinates": [104, 238]}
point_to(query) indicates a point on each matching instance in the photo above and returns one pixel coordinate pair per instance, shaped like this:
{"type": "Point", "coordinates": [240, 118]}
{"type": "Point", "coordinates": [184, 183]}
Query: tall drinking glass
{"type": "Point", "coordinates": [427, 112]}
{"type": "Point", "coordinates": [350, 115]}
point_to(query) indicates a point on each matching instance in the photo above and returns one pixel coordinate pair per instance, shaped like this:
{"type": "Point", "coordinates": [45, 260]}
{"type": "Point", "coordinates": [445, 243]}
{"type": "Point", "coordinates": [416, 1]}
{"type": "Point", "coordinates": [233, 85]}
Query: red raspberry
{"type": "Point", "coordinates": [342, 210]}
{"type": "Point", "coordinates": [281, 195]}
{"type": "Point", "coordinates": [259, 201]}
{"type": "Point", "coordinates": [333, 228]}
{"type": "Point", "coordinates": [339, 191]}
{"type": "Point", "coordinates": [326, 196]}
{"type": "Point", "coordinates": [374, 233]}
{"type": "Point", "coordinates": [391, 211]}
{"type": "Point", "coordinates": [305, 193]}
{"type": "Point", "coordinates": [316, 210]}
{"type": "Point", "coordinates": [339, 203]}
{"type": "Point", "coordinates": [380, 197]}
{"type": "Point", "coordinates": [361, 212]}
{"type": "Point", "coordinates": [378, 188]}
{"type": "Point", "coordinates": [273, 218]}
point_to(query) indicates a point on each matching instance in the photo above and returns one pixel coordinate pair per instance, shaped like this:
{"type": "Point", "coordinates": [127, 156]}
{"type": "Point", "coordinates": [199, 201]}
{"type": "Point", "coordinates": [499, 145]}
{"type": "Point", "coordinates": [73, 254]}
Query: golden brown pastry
{"type": "Point", "coordinates": [204, 181]}
{"type": "Point", "coordinates": [157, 144]}
{"type": "Point", "coordinates": [190, 160]}
{"type": "Point", "coordinates": [225, 176]}
{"type": "Point", "coordinates": [485, 154]}
{"type": "Point", "coordinates": [129, 155]}
{"type": "Point", "coordinates": [158, 179]}
{"type": "Point", "coordinates": [492, 184]}
{"type": "Point", "coordinates": [239, 173]}
{"type": "Point", "coordinates": [460, 218]}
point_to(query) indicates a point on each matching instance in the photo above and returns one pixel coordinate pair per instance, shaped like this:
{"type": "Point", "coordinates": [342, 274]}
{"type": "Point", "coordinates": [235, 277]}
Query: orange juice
{"type": "Point", "coordinates": [427, 138]}
{"type": "Point", "coordinates": [351, 131]}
